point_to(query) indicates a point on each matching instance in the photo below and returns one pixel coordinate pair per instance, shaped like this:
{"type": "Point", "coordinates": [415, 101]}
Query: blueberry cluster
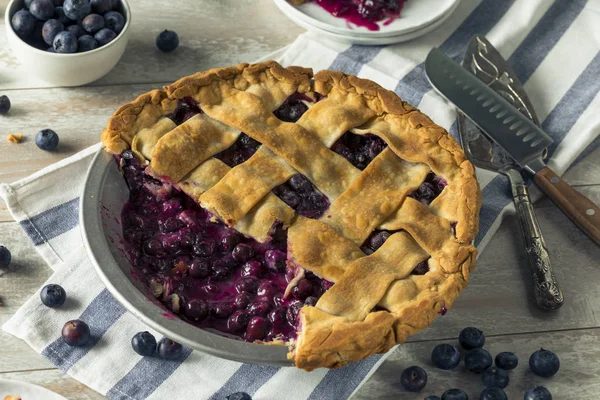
{"type": "Point", "coordinates": [494, 374]}
{"type": "Point", "coordinates": [69, 26]}
{"type": "Point", "coordinates": [207, 273]}
{"type": "Point", "coordinates": [144, 343]}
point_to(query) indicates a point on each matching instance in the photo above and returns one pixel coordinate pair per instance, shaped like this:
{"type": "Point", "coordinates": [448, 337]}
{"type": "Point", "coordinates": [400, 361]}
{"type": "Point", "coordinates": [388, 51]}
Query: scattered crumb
{"type": "Point", "coordinates": [15, 138]}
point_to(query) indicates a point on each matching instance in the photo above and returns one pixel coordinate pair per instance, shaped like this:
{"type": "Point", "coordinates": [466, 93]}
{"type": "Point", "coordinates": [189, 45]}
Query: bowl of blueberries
{"type": "Point", "coordinates": [68, 42]}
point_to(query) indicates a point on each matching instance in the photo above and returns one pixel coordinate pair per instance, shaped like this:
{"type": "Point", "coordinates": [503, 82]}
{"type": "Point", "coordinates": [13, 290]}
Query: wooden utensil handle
{"type": "Point", "coordinates": [582, 211]}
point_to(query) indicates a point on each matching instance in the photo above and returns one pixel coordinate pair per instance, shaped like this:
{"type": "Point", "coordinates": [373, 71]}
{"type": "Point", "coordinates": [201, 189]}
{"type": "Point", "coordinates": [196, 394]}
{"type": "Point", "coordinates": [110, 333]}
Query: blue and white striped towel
{"type": "Point", "coordinates": [554, 46]}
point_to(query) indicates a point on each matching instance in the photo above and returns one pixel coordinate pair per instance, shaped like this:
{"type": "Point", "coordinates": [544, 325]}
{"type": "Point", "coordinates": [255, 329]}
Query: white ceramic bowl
{"type": "Point", "coordinates": [67, 69]}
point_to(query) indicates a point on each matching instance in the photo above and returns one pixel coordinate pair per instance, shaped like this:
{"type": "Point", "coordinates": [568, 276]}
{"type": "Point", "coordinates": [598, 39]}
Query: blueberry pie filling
{"type": "Point", "coordinates": [362, 12]}
{"type": "Point", "coordinates": [273, 206]}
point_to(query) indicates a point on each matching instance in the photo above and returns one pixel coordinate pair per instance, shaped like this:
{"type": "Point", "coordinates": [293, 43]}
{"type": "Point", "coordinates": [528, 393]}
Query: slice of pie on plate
{"type": "Point", "coordinates": [322, 213]}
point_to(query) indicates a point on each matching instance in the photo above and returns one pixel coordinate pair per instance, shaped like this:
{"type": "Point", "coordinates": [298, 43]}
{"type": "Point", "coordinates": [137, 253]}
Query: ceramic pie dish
{"type": "Point", "coordinates": [274, 215]}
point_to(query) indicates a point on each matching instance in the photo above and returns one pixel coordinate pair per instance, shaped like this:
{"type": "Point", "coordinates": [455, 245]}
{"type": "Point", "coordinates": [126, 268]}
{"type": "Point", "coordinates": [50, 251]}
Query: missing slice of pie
{"type": "Point", "coordinates": [322, 213]}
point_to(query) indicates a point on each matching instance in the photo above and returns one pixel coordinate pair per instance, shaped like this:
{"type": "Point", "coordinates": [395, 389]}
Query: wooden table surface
{"type": "Point", "coordinates": [222, 32]}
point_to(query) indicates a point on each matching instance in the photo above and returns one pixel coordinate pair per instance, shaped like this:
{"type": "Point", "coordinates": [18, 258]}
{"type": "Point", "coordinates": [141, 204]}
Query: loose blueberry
{"type": "Point", "coordinates": [454, 394]}
{"type": "Point", "coordinates": [413, 379]}
{"type": "Point", "coordinates": [238, 321]}
{"type": "Point", "coordinates": [42, 9]}
{"type": "Point", "coordinates": [23, 23]}
{"type": "Point", "coordinates": [506, 360]}
{"type": "Point", "coordinates": [51, 28]}
{"type": "Point", "coordinates": [167, 41]}
{"type": "Point", "coordinates": [471, 338]}
{"type": "Point", "coordinates": [196, 309]}
{"type": "Point", "coordinates": [544, 363]}
{"type": "Point", "coordinates": [247, 284]}
{"type": "Point", "coordinates": [257, 329]}
{"type": "Point", "coordinates": [76, 30]}
{"type": "Point", "coordinates": [92, 23]}
{"type": "Point", "coordinates": [53, 295]}
{"type": "Point", "coordinates": [5, 257]}
{"type": "Point", "coordinates": [65, 42]}
{"type": "Point", "coordinates": [445, 356]}
{"type": "Point", "coordinates": [493, 393]}
{"type": "Point", "coordinates": [167, 348]}
{"type": "Point", "coordinates": [59, 14]}
{"type": "Point", "coordinates": [538, 393]}
{"type": "Point", "coordinates": [242, 253]}
{"type": "Point", "coordinates": [495, 377]}
{"type": "Point", "coordinates": [47, 139]}
{"type": "Point", "coordinates": [102, 6]}
{"type": "Point", "coordinates": [478, 360]}
{"type": "Point", "coordinates": [144, 344]}
{"type": "Point", "coordinates": [76, 333]}
{"type": "Point", "coordinates": [114, 21]}
{"type": "Point", "coordinates": [104, 36]}
{"type": "Point", "coordinates": [199, 269]}
{"type": "Point", "coordinates": [77, 9]}
{"type": "Point", "coordinates": [239, 396]}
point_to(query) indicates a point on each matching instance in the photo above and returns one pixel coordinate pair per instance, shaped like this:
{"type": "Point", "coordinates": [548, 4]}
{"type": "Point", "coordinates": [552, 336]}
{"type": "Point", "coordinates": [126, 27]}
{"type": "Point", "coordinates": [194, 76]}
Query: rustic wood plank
{"type": "Point", "coordinates": [578, 377]}
{"type": "Point", "coordinates": [206, 38]}
{"type": "Point", "coordinates": [57, 381]}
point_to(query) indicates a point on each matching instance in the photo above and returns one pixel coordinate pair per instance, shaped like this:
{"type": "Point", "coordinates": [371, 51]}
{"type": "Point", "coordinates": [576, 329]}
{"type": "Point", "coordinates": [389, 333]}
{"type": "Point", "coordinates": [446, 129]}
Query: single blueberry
{"type": "Point", "coordinates": [4, 104]}
{"type": "Point", "coordinates": [167, 348]}
{"type": "Point", "coordinates": [23, 23]}
{"type": "Point", "coordinates": [378, 239]}
{"type": "Point", "coordinates": [242, 253]}
{"type": "Point", "coordinates": [495, 377]}
{"type": "Point", "coordinates": [42, 9]}
{"type": "Point", "coordinates": [76, 333]}
{"type": "Point", "coordinates": [493, 393]}
{"type": "Point", "coordinates": [144, 344]}
{"type": "Point", "coordinates": [421, 268]}
{"type": "Point", "coordinates": [104, 36]}
{"type": "Point", "coordinates": [114, 21]}
{"type": "Point", "coordinates": [478, 360]}
{"type": "Point", "coordinates": [102, 6]}
{"type": "Point", "coordinates": [205, 248]}
{"type": "Point", "coordinates": [76, 30]}
{"type": "Point", "coordinates": [253, 268]}
{"type": "Point", "coordinates": [199, 269]}
{"type": "Point", "coordinates": [277, 316]}
{"type": "Point", "coordinates": [222, 269]}
{"type": "Point", "coordinates": [59, 14]}
{"type": "Point", "coordinates": [267, 289]}
{"type": "Point", "coordinates": [221, 310]}
{"type": "Point", "coordinates": [413, 379]}
{"type": "Point", "coordinates": [292, 313]}
{"type": "Point", "coordinates": [239, 396]}
{"type": "Point", "coordinates": [92, 23]}
{"type": "Point", "coordinates": [167, 41]}
{"type": "Point", "coordinates": [229, 241]}
{"type": "Point", "coordinates": [152, 247]}
{"type": "Point", "coordinates": [196, 309]}
{"type": "Point", "coordinates": [257, 329]}
{"type": "Point", "coordinates": [51, 28]}
{"type": "Point", "coordinates": [544, 363]}
{"type": "Point", "coordinates": [64, 42]}
{"type": "Point", "coordinates": [291, 110]}
{"type": "Point", "coordinates": [303, 289]}
{"type": "Point", "coordinates": [445, 356]}
{"type": "Point", "coordinates": [259, 309]}
{"type": "Point", "coordinates": [241, 300]}
{"type": "Point", "coordinates": [238, 321]}
{"type": "Point", "coordinates": [5, 257]}
{"type": "Point", "coordinates": [77, 9]}
{"type": "Point", "coordinates": [247, 284]}
{"type": "Point", "coordinates": [538, 393]}
{"type": "Point", "coordinates": [455, 394]}
{"type": "Point", "coordinates": [300, 184]}
{"type": "Point", "coordinates": [471, 338]}
{"type": "Point", "coordinates": [275, 260]}
{"type": "Point", "coordinates": [53, 295]}
{"type": "Point", "coordinates": [51, 50]}
{"type": "Point", "coordinates": [507, 360]}
{"type": "Point", "coordinates": [47, 139]}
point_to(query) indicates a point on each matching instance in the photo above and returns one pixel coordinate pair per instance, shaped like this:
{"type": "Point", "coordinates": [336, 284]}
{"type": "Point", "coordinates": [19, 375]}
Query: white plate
{"type": "Point", "coordinates": [26, 391]}
{"type": "Point", "coordinates": [375, 41]}
{"type": "Point", "coordinates": [415, 15]}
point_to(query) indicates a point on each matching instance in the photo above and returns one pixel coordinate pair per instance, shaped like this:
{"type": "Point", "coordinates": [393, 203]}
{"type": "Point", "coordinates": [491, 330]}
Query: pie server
{"type": "Point", "coordinates": [484, 61]}
{"type": "Point", "coordinates": [514, 132]}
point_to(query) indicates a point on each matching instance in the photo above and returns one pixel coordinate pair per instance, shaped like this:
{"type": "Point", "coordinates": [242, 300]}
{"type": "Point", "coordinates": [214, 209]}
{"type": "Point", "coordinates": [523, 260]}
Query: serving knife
{"type": "Point", "coordinates": [486, 63]}
{"type": "Point", "coordinates": [514, 132]}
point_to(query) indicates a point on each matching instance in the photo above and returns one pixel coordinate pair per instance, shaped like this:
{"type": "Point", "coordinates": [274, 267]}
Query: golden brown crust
{"type": "Point", "coordinates": [342, 327]}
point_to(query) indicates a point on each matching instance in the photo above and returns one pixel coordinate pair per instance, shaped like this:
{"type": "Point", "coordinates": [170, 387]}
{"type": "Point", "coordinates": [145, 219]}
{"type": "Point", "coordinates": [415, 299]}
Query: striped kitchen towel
{"type": "Point", "coordinates": [554, 46]}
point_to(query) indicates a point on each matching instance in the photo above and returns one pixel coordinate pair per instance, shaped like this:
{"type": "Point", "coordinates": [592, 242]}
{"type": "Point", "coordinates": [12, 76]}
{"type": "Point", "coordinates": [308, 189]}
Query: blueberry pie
{"type": "Point", "coordinates": [364, 13]}
{"type": "Point", "coordinates": [322, 213]}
